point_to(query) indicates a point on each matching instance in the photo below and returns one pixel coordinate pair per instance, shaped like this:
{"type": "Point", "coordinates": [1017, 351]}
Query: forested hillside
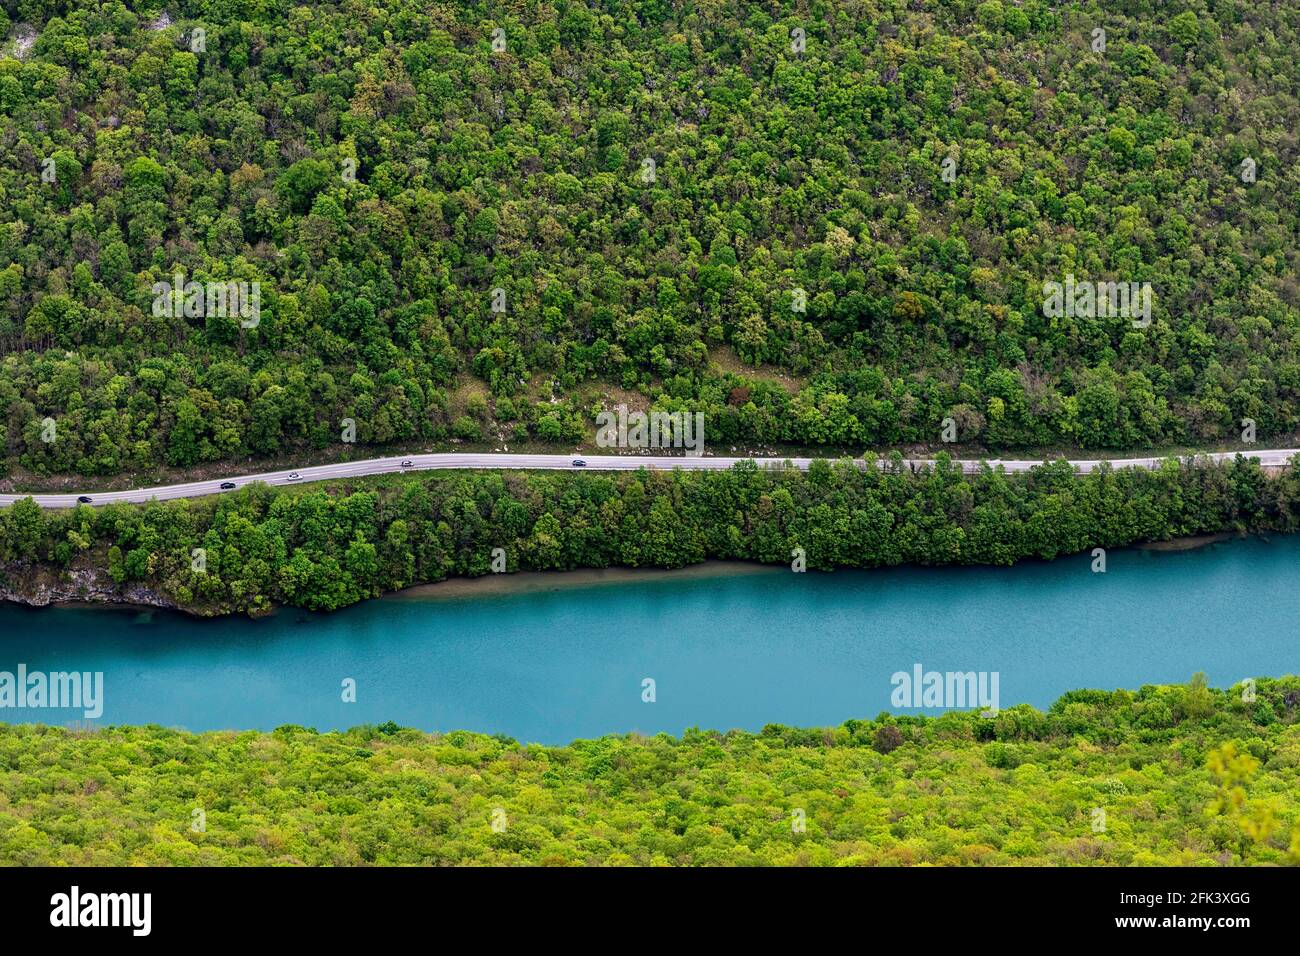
{"type": "Point", "coordinates": [655, 188]}
{"type": "Point", "coordinates": [1166, 776]}
{"type": "Point", "coordinates": [332, 546]}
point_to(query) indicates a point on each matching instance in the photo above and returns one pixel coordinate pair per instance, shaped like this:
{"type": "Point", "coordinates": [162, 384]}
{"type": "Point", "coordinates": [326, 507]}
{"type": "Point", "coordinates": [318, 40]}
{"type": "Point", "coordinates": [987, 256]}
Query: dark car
{"type": "Point", "coordinates": [579, 463]}
{"type": "Point", "coordinates": [227, 485]}
{"type": "Point", "coordinates": [84, 499]}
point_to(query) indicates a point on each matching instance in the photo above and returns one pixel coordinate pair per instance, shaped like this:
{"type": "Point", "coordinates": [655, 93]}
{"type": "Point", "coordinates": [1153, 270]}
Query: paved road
{"type": "Point", "coordinates": [378, 466]}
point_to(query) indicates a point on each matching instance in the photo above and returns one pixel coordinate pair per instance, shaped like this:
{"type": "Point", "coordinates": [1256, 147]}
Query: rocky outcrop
{"type": "Point", "coordinates": [41, 587]}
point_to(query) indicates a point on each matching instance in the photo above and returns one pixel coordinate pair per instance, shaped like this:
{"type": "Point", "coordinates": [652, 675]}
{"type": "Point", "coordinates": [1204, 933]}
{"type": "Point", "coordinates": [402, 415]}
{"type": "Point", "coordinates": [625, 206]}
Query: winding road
{"type": "Point", "coordinates": [1272, 458]}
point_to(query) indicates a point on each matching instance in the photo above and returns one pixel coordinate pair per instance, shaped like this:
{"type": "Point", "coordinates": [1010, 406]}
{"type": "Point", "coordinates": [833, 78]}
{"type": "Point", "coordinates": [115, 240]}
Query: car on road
{"type": "Point", "coordinates": [294, 476]}
{"type": "Point", "coordinates": [579, 463]}
{"type": "Point", "coordinates": [84, 499]}
{"type": "Point", "coordinates": [407, 463]}
{"type": "Point", "coordinates": [227, 485]}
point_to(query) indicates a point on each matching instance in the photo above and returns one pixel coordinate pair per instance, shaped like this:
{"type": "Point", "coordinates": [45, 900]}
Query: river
{"type": "Point", "coordinates": [570, 659]}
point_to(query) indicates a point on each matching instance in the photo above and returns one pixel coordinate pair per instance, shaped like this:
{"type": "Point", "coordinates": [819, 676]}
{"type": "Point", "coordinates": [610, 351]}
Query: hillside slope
{"type": "Point", "coordinates": [834, 237]}
{"type": "Point", "coordinates": [1169, 775]}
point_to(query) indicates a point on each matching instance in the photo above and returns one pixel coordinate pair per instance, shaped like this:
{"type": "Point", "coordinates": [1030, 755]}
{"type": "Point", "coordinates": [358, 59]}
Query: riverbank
{"type": "Point", "coordinates": [91, 588]}
{"type": "Point", "coordinates": [533, 582]}
{"type": "Point", "coordinates": [321, 549]}
{"type": "Point", "coordinates": [42, 586]}
{"type": "Point", "coordinates": [1193, 542]}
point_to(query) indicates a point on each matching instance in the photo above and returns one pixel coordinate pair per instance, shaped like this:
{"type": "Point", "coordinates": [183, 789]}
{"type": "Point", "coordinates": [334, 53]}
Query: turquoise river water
{"type": "Point", "coordinates": [724, 649]}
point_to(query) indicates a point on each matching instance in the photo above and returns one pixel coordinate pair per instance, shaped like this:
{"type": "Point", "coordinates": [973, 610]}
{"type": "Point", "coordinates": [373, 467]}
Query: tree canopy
{"type": "Point", "coordinates": [651, 186]}
{"type": "Point", "coordinates": [1101, 779]}
{"type": "Point", "coordinates": [325, 547]}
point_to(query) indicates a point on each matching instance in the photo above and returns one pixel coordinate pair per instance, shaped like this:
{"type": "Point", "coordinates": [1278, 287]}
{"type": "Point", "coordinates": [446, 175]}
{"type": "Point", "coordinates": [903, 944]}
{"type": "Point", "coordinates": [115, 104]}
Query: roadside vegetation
{"type": "Point", "coordinates": [326, 546]}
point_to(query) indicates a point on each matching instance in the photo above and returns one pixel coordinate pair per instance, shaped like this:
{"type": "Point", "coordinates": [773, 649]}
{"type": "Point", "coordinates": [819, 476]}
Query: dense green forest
{"type": "Point", "coordinates": [655, 186]}
{"type": "Point", "coordinates": [1181, 775]}
{"type": "Point", "coordinates": [329, 546]}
